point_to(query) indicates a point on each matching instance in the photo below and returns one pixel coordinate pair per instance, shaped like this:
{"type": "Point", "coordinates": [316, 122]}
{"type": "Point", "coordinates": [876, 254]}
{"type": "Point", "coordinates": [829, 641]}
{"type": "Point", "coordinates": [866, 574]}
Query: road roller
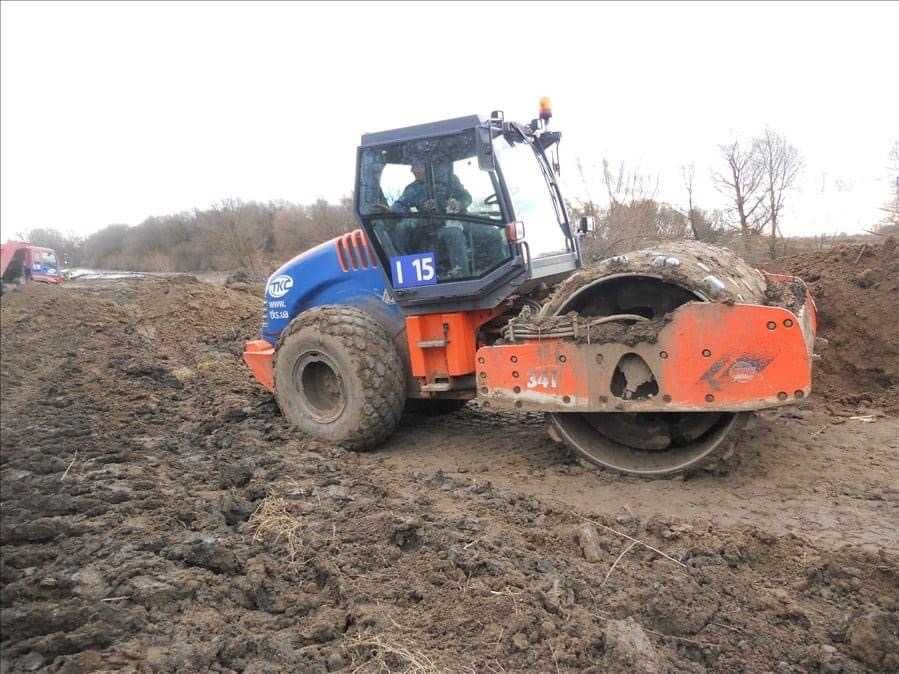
{"type": "Point", "coordinates": [467, 280]}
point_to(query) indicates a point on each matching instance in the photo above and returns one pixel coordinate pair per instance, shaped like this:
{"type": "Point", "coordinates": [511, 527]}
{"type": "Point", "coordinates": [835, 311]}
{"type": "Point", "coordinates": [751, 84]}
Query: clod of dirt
{"type": "Point", "coordinates": [826, 659]}
{"type": "Point", "coordinates": [334, 661]}
{"type": "Point", "coordinates": [151, 592]}
{"type": "Point", "coordinates": [32, 662]}
{"type": "Point", "coordinates": [628, 649]}
{"type": "Point", "coordinates": [242, 281]}
{"type": "Point", "coordinates": [407, 534]}
{"type": "Point", "coordinates": [184, 374]}
{"type": "Point", "coordinates": [89, 583]}
{"type": "Point", "coordinates": [873, 638]}
{"type": "Point", "coordinates": [41, 530]}
{"type": "Point", "coordinates": [520, 642]}
{"type": "Point", "coordinates": [235, 474]}
{"type": "Point", "coordinates": [328, 625]}
{"type": "Point", "coordinates": [682, 613]}
{"type": "Point", "coordinates": [866, 279]}
{"type": "Point", "coordinates": [234, 509]}
{"type": "Point", "coordinates": [237, 277]}
{"type": "Point", "coordinates": [207, 554]}
{"type": "Point", "coordinates": [588, 539]}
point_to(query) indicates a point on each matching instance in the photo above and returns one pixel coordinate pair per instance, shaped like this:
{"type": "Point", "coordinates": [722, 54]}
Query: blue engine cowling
{"type": "Point", "coordinates": [341, 271]}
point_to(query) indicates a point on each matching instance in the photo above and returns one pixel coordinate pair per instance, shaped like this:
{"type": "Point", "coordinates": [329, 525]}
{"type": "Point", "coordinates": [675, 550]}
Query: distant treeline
{"type": "Point", "coordinates": [258, 237]}
{"type": "Point", "coordinates": [232, 234]}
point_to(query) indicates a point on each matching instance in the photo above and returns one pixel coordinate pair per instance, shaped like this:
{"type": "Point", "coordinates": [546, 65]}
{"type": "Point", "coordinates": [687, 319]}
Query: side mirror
{"type": "Point", "coordinates": [586, 224]}
{"type": "Point", "coordinates": [486, 161]}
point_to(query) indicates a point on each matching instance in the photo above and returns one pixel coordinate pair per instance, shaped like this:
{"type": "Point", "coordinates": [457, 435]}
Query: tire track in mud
{"type": "Point", "coordinates": [798, 473]}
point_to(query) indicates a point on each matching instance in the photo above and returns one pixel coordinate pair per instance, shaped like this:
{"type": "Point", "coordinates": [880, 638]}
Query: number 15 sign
{"type": "Point", "coordinates": [410, 271]}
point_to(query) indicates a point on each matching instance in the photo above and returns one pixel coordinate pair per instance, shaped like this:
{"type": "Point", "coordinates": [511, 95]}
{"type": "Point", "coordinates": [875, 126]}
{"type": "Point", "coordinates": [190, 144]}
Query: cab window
{"type": "Point", "coordinates": [433, 211]}
{"type": "Point", "coordinates": [532, 198]}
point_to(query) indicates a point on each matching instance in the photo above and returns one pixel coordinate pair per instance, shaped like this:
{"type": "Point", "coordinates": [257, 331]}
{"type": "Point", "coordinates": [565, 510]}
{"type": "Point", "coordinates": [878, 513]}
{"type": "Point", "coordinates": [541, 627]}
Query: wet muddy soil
{"type": "Point", "coordinates": [158, 515]}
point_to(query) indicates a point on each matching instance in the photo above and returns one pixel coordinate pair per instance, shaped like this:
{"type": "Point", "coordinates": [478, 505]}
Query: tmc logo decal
{"type": "Point", "coordinates": [279, 286]}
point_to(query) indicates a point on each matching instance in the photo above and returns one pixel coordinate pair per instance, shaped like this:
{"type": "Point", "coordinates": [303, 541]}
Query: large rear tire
{"type": "Point", "coordinates": [339, 377]}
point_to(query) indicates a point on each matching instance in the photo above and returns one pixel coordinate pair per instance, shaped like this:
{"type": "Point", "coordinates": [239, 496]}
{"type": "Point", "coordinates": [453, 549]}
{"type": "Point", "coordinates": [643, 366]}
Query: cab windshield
{"type": "Point", "coordinates": [435, 214]}
{"type": "Point", "coordinates": [43, 262]}
{"type": "Point", "coordinates": [533, 197]}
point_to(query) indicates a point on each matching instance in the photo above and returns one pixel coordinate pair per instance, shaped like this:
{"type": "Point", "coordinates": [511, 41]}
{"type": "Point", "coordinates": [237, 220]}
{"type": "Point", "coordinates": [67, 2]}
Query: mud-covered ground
{"type": "Point", "coordinates": [159, 515]}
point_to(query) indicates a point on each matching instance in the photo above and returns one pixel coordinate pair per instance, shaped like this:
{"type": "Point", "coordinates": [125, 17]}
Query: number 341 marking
{"type": "Point", "coordinates": [543, 378]}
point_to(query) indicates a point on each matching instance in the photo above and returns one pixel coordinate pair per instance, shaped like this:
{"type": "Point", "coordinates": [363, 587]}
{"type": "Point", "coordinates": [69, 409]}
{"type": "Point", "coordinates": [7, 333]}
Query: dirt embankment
{"type": "Point", "coordinates": [856, 288]}
{"type": "Point", "coordinates": [159, 515]}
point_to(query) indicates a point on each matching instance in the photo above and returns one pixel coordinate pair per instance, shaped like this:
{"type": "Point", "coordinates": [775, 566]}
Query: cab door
{"type": "Point", "coordinates": [436, 217]}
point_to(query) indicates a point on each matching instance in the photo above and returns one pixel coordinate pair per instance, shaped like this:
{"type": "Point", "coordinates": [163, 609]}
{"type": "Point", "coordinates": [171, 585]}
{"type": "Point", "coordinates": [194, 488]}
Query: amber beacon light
{"type": "Point", "coordinates": [546, 109]}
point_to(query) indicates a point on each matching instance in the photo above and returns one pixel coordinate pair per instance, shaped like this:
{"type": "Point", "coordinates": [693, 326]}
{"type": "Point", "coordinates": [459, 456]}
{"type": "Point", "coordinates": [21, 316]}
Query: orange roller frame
{"type": "Point", "coordinates": [734, 356]}
{"type": "Point", "coordinates": [709, 357]}
{"type": "Point", "coordinates": [258, 355]}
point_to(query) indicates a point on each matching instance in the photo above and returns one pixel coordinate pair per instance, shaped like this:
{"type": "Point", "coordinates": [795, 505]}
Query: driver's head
{"type": "Point", "coordinates": [418, 170]}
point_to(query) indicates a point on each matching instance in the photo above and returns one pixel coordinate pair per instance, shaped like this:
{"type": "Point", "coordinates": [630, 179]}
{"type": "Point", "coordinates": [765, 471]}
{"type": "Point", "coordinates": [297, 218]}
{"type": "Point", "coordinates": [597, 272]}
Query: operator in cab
{"type": "Point", "coordinates": [448, 188]}
{"type": "Point", "coordinates": [448, 236]}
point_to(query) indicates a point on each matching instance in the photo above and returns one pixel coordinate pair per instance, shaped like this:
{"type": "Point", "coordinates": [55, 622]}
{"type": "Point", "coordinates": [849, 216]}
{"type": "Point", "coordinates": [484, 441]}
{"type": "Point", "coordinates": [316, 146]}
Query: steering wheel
{"type": "Point", "coordinates": [492, 200]}
{"type": "Point", "coordinates": [379, 207]}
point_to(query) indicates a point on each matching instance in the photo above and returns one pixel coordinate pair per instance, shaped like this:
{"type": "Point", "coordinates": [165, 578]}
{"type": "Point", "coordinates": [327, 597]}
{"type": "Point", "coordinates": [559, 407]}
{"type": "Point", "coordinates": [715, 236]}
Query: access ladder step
{"type": "Point", "coordinates": [432, 344]}
{"type": "Point", "coordinates": [437, 386]}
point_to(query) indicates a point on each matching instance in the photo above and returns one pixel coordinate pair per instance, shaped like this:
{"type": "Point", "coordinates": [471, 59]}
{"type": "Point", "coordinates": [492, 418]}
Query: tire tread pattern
{"type": "Point", "coordinates": [379, 367]}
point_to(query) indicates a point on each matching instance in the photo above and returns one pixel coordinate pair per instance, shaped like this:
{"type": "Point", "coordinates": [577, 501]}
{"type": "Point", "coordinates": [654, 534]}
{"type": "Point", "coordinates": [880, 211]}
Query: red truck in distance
{"type": "Point", "coordinates": [21, 262]}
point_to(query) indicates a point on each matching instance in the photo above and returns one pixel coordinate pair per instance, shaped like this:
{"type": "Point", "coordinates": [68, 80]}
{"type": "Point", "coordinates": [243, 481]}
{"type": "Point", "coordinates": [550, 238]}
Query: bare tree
{"type": "Point", "coordinates": [705, 225]}
{"type": "Point", "coordinates": [781, 164]}
{"type": "Point", "coordinates": [633, 214]}
{"type": "Point", "coordinates": [588, 205]}
{"type": "Point", "coordinates": [626, 185]}
{"type": "Point", "coordinates": [688, 174]}
{"type": "Point", "coordinates": [742, 184]}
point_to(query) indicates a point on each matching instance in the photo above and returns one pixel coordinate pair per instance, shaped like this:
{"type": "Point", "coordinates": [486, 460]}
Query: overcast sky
{"type": "Point", "coordinates": [115, 112]}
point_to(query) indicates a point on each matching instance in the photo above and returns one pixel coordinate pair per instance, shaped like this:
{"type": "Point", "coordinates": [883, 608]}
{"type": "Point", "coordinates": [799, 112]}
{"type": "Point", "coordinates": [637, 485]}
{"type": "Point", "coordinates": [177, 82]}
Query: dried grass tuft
{"type": "Point", "coordinates": [273, 521]}
{"type": "Point", "coordinates": [384, 655]}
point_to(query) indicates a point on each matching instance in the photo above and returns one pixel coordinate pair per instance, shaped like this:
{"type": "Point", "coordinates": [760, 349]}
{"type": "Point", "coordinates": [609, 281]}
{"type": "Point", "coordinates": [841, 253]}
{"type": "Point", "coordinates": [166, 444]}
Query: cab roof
{"type": "Point", "coordinates": [442, 128]}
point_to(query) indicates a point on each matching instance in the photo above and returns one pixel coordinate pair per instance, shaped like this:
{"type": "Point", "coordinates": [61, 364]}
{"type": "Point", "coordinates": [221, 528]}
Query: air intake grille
{"type": "Point", "coordinates": [353, 252]}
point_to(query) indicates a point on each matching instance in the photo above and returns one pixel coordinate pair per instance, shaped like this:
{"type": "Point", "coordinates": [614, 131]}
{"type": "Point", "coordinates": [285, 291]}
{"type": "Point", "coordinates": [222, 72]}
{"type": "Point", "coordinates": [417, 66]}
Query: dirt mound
{"type": "Point", "coordinates": [856, 288]}
{"type": "Point", "coordinates": [244, 281]}
{"type": "Point", "coordinates": [159, 515]}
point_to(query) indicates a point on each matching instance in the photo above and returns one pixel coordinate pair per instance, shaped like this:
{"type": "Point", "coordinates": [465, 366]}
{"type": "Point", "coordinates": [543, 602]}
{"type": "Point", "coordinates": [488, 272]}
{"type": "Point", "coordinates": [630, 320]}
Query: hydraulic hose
{"type": "Point", "coordinates": [568, 326]}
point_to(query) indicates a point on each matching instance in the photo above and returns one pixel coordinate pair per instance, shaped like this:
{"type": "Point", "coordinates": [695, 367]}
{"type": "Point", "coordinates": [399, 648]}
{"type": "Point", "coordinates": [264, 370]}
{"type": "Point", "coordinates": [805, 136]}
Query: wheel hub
{"type": "Point", "coordinates": [321, 389]}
